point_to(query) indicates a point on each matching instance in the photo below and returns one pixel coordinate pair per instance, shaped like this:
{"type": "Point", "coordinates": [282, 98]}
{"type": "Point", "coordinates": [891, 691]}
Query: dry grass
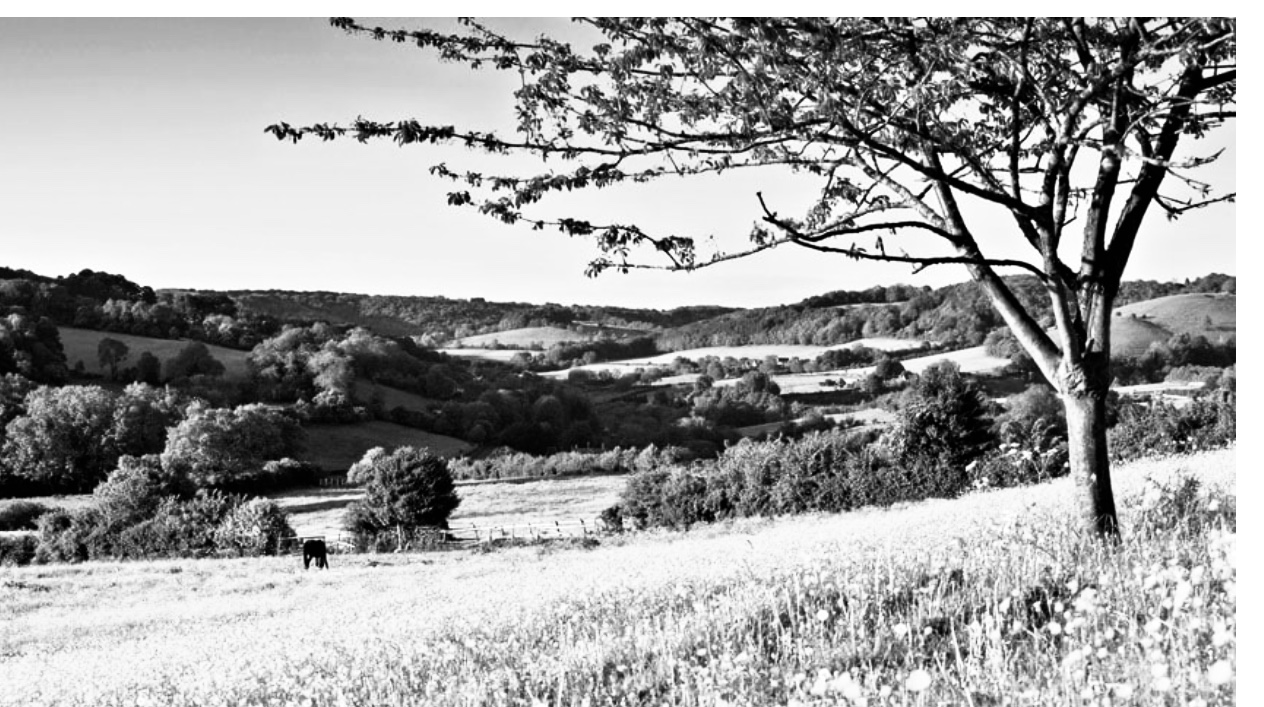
{"type": "Point", "coordinates": [749, 612]}
{"type": "Point", "coordinates": [81, 345]}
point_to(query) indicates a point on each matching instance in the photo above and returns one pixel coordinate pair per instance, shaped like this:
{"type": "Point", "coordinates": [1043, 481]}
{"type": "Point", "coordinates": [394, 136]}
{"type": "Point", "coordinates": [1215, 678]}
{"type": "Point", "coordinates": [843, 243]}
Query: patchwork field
{"type": "Point", "coordinates": [971, 360]}
{"type": "Point", "coordinates": [923, 604]}
{"type": "Point", "coordinates": [755, 353]}
{"type": "Point", "coordinates": [81, 345]}
{"type": "Point", "coordinates": [502, 355]}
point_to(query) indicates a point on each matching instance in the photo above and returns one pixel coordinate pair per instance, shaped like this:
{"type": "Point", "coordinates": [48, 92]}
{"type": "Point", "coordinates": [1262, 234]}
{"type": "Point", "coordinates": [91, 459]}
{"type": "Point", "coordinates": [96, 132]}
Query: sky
{"type": "Point", "coordinates": [137, 147]}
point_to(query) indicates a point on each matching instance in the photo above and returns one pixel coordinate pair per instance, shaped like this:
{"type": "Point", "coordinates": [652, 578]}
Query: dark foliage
{"type": "Point", "coordinates": [18, 550]}
{"type": "Point", "coordinates": [21, 515]}
{"type": "Point", "coordinates": [405, 489]}
{"type": "Point", "coordinates": [1156, 428]}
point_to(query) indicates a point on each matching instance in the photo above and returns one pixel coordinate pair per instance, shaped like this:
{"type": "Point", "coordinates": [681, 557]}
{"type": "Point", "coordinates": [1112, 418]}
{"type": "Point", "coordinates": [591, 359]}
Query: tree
{"type": "Point", "coordinates": [148, 369]}
{"type": "Point", "coordinates": [62, 440]}
{"type": "Point", "coordinates": [887, 368]}
{"type": "Point", "coordinates": [912, 126]}
{"type": "Point", "coordinates": [192, 360]}
{"type": "Point", "coordinates": [405, 489]}
{"type": "Point", "coordinates": [942, 426]}
{"type": "Point", "coordinates": [111, 353]}
{"type": "Point", "coordinates": [32, 348]}
{"type": "Point", "coordinates": [220, 447]}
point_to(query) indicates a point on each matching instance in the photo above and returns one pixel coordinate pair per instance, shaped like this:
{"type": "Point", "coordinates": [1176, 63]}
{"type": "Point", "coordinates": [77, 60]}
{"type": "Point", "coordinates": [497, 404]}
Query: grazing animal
{"type": "Point", "coordinates": [315, 550]}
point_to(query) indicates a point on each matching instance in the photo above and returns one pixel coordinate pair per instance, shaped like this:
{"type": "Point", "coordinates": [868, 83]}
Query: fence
{"type": "Point", "coordinates": [532, 531]}
{"type": "Point", "coordinates": [294, 543]}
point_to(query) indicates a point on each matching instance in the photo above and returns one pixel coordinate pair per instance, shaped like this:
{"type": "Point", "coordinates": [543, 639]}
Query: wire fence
{"type": "Point", "coordinates": [398, 540]}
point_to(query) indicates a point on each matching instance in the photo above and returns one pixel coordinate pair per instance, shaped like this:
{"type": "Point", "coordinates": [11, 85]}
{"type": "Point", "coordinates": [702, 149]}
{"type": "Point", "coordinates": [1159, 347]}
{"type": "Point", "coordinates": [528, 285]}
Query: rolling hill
{"type": "Point", "coordinates": [337, 447]}
{"type": "Point", "coordinates": [81, 345]}
{"type": "Point", "coordinates": [1137, 325]}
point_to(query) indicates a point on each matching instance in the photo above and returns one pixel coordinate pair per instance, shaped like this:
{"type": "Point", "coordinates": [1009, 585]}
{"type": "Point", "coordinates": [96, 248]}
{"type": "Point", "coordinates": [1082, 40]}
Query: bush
{"type": "Point", "coordinates": [18, 549]}
{"type": "Point", "coordinates": [404, 489]}
{"type": "Point", "coordinates": [1158, 428]}
{"type": "Point", "coordinates": [255, 527]}
{"type": "Point", "coordinates": [21, 515]}
{"type": "Point", "coordinates": [71, 536]}
{"type": "Point", "coordinates": [642, 498]}
{"type": "Point", "coordinates": [178, 528]}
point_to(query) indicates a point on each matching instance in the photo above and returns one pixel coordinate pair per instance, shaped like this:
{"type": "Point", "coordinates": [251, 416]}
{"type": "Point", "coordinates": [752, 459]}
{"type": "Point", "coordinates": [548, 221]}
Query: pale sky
{"type": "Point", "coordinates": [137, 147]}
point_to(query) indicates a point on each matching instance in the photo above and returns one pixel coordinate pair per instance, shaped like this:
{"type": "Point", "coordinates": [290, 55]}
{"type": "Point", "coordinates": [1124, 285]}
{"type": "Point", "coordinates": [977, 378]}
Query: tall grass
{"type": "Point", "coordinates": [990, 599]}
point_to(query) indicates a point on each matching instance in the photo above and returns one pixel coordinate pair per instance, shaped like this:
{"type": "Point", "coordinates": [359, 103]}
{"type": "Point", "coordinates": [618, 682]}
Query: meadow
{"type": "Point", "coordinates": [81, 345]}
{"type": "Point", "coordinates": [990, 599]}
{"type": "Point", "coordinates": [319, 511]}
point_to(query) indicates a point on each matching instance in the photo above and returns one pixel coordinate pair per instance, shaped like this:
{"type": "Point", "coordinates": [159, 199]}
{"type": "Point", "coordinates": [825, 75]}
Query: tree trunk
{"type": "Point", "coordinates": [1090, 465]}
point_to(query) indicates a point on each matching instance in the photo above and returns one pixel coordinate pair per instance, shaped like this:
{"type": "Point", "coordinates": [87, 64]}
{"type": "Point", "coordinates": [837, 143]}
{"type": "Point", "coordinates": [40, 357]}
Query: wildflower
{"type": "Point", "coordinates": [1163, 684]}
{"type": "Point", "coordinates": [900, 630]}
{"type": "Point", "coordinates": [1220, 637]}
{"type": "Point", "coordinates": [822, 615]}
{"type": "Point", "coordinates": [1196, 575]}
{"type": "Point", "coordinates": [1055, 628]}
{"type": "Point", "coordinates": [1220, 672]}
{"type": "Point", "coordinates": [1123, 691]}
{"type": "Point", "coordinates": [1159, 670]}
{"type": "Point", "coordinates": [1153, 626]}
{"type": "Point", "coordinates": [884, 691]}
{"type": "Point", "coordinates": [918, 680]}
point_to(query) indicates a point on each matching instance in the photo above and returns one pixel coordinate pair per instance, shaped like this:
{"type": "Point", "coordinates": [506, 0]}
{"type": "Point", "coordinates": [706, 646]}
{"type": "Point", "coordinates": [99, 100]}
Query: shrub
{"type": "Point", "coordinates": [133, 491]}
{"type": "Point", "coordinates": [1159, 428]}
{"type": "Point", "coordinates": [71, 536]}
{"type": "Point", "coordinates": [642, 498]}
{"type": "Point", "coordinates": [18, 549]}
{"type": "Point", "coordinates": [21, 515]}
{"type": "Point", "coordinates": [178, 528]}
{"type": "Point", "coordinates": [255, 527]}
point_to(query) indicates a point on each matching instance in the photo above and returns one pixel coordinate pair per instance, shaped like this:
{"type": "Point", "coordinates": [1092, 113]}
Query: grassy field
{"type": "Point", "coordinates": [1135, 326]}
{"type": "Point", "coordinates": [986, 600]}
{"type": "Point", "coordinates": [319, 511]}
{"type": "Point", "coordinates": [337, 447]}
{"type": "Point", "coordinates": [755, 353]}
{"type": "Point", "coordinates": [81, 345]}
{"type": "Point", "coordinates": [391, 398]}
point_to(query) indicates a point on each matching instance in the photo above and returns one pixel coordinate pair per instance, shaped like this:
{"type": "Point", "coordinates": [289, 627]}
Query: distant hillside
{"type": "Point", "coordinates": [442, 320]}
{"type": "Point", "coordinates": [337, 447]}
{"type": "Point", "coordinates": [956, 315]}
{"type": "Point", "coordinates": [1140, 324]}
{"type": "Point", "coordinates": [544, 337]}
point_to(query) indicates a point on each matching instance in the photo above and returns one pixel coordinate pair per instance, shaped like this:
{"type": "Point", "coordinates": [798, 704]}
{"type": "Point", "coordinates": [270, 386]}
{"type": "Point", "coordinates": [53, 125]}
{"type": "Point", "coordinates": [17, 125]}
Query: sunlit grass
{"type": "Point", "coordinates": [925, 604]}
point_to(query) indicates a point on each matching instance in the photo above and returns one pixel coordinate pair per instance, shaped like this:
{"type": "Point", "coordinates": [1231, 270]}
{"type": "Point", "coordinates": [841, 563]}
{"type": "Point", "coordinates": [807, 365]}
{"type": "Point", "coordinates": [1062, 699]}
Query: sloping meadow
{"type": "Point", "coordinates": [989, 599]}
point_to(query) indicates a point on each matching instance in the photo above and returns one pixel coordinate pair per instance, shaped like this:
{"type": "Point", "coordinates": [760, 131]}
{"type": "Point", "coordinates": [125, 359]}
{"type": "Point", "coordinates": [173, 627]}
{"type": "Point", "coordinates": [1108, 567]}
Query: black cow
{"type": "Point", "coordinates": [315, 550]}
